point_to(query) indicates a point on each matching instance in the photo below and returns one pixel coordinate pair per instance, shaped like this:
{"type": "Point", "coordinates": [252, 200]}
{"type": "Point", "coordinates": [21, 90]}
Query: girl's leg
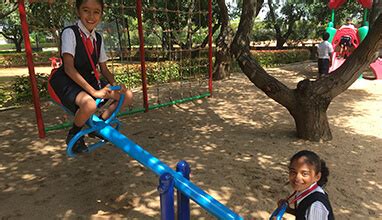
{"type": "Point", "coordinates": [87, 107]}
{"type": "Point", "coordinates": [128, 101]}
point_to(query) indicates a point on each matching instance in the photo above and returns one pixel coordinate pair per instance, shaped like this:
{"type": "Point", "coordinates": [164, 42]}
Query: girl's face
{"type": "Point", "coordinates": [302, 175]}
{"type": "Point", "coordinates": [90, 14]}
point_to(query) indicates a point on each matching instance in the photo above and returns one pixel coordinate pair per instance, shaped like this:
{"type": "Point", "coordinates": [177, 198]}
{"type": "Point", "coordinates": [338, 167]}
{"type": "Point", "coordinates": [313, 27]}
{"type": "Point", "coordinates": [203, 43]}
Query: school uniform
{"type": "Point", "coordinates": [324, 49]}
{"type": "Point", "coordinates": [71, 42]}
{"type": "Point", "coordinates": [314, 206]}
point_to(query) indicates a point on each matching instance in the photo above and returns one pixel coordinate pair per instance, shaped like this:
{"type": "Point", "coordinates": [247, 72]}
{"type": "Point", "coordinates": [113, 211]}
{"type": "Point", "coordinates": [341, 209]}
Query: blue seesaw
{"type": "Point", "coordinates": [279, 212]}
{"type": "Point", "coordinates": [107, 131]}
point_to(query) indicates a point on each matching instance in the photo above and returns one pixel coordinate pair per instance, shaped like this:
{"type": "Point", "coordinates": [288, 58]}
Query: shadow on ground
{"type": "Point", "coordinates": [238, 144]}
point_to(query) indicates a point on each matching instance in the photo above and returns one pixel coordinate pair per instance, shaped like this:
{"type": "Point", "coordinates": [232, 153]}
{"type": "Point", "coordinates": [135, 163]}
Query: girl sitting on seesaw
{"type": "Point", "coordinates": [77, 82]}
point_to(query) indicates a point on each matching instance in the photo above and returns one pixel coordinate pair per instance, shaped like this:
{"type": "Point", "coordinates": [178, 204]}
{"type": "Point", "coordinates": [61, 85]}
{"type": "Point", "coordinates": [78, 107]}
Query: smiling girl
{"type": "Point", "coordinates": [77, 82]}
{"type": "Point", "coordinates": [307, 176]}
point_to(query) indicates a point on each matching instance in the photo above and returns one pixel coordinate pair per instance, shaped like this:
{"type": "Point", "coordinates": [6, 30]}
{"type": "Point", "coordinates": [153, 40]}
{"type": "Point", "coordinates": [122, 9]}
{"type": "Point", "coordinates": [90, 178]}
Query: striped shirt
{"type": "Point", "coordinates": [317, 211]}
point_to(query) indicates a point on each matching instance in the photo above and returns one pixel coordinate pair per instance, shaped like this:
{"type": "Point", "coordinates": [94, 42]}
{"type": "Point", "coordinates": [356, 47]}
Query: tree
{"type": "Point", "coordinates": [11, 29]}
{"type": "Point", "coordinates": [284, 25]}
{"type": "Point", "coordinates": [308, 102]}
{"type": "Point", "coordinates": [223, 56]}
{"type": "Point", "coordinates": [55, 16]}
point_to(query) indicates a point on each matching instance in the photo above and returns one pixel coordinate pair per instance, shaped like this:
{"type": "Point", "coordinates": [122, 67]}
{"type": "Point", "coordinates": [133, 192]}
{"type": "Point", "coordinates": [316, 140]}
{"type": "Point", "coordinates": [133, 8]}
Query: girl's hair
{"type": "Point", "coordinates": [79, 3]}
{"type": "Point", "coordinates": [314, 160]}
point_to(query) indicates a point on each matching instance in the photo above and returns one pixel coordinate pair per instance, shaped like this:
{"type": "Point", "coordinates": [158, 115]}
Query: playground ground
{"type": "Point", "coordinates": [238, 144]}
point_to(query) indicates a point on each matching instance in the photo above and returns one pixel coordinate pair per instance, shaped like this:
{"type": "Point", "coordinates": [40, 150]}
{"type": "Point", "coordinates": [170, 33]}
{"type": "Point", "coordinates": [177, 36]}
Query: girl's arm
{"type": "Point", "coordinates": [107, 74]}
{"type": "Point", "coordinates": [72, 72]}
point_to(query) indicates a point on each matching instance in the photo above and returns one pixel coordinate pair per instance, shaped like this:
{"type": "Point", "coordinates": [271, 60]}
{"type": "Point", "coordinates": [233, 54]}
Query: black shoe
{"type": "Point", "coordinates": [94, 134]}
{"type": "Point", "coordinates": [79, 146]}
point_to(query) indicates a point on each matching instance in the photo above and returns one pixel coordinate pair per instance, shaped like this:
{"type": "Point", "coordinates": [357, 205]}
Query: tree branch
{"type": "Point", "coordinates": [248, 64]}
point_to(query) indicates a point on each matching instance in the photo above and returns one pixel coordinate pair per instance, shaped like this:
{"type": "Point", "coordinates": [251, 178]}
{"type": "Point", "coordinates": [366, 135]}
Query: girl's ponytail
{"type": "Point", "coordinates": [324, 174]}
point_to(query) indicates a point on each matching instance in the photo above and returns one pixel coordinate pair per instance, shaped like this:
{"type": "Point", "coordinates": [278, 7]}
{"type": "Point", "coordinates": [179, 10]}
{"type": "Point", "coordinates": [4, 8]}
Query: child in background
{"type": "Point", "coordinates": [346, 40]}
{"type": "Point", "coordinates": [324, 50]}
{"type": "Point", "coordinates": [307, 175]}
{"type": "Point", "coordinates": [76, 83]}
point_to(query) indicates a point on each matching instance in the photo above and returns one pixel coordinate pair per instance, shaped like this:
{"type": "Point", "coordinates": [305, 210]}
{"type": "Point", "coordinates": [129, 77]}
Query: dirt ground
{"type": "Point", "coordinates": [238, 144]}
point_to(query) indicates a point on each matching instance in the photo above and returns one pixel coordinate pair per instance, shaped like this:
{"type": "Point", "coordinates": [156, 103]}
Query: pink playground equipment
{"type": "Point", "coordinates": [376, 67]}
{"type": "Point", "coordinates": [356, 35]}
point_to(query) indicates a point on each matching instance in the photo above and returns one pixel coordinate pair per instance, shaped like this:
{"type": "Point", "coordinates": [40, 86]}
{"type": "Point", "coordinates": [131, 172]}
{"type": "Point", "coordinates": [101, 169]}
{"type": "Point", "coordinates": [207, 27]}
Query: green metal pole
{"type": "Point", "coordinates": [365, 15]}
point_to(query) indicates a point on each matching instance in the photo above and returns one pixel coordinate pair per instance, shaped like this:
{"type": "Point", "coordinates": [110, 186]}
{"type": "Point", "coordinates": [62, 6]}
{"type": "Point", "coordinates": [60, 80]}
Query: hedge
{"type": "Point", "coordinates": [276, 57]}
{"type": "Point", "coordinates": [20, 59]}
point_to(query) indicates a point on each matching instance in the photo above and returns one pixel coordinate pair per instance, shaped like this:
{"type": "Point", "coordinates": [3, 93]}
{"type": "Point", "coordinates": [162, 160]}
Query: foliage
{"type": "Point", "coordinates": [7, 8]}
{"type": "Point", "coordinates": [22, 91]}
{"type": "Point", "coordinates": [261, 32]}
{"type": "Point", "coordinates": [14, 59]}
{"type": "Point", "coordinates": [160, 72]}
{"type": "Point", "coordinates": [56, 15]}
{"type": "Point", "coordinates": [175, 22]}
{"type": "Point", "coordinates": [277, 57]}
{"type": "Point", "coordinates": [4, 97]}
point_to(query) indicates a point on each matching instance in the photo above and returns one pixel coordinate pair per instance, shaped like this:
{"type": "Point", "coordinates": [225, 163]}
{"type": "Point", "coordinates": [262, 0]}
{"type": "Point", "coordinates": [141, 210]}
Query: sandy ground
{"type": "Point", "coordinates": [238, 144]}
{"type": "Point", "coordinates": [7, 72]}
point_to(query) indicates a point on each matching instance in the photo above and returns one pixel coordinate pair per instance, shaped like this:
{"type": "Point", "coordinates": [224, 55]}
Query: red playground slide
{"type": "Point", "coordinates": [339, 60]}
{"type": "Point", "coordinates": [336, 62]}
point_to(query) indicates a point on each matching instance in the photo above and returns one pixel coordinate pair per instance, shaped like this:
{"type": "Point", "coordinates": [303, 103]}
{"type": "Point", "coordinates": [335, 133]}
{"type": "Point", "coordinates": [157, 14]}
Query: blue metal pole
{"type": "Point", "coordinates": [185, 186]}
{"type": "Point", "coordinates": [183, 201]}
{"type": "Point", "coordinates": [166, 193]}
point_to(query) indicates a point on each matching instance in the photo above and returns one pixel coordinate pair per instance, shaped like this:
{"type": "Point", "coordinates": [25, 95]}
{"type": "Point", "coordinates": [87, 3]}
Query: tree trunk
{"type": "Point", "coordinates": [119, 39]}
{"type": "Point", "coordinates": [37, 42]}
{"type": "Point", "coordinates": [309, 113]}
{"type": "Point", "coordinates": [205, 41]}
{"type": "Point", "coordinates": [17, 45]}
{"type": "Point", "coordinates": [280, 41]}
{"type": "Point", "coordinates": [376, 11]}
{"type": "Point", "coordinates": [189, 24]}
{"type": "Point", "coordinates": [223, 57]}
{"type": "Point", "coordinates": [127, 31]}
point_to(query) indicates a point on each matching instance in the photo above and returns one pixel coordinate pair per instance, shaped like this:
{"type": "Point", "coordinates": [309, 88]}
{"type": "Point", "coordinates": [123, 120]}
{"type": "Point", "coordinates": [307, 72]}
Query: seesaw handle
{"type": "Point", "coordinates": [279, 212]}
{"type": "Point", "coordinates": [115, 112]}
{"type": "Point", "coordinates": [113, 88]}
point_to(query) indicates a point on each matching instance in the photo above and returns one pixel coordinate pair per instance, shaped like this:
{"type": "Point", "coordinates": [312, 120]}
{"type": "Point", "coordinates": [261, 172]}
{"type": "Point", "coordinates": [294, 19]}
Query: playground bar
{"type": "Point", "coordinates": [166, 193]}
{"type": "Point", "coordinates": [142, 55]}
{"type": "Point", "coordinates": [182, 184]}
{"type": "Point", "coordinates": [182, 200]}
{"type": "Point", "coordinates": [32, 77]}
{"type": "Point", "coordinates": [210, 52]}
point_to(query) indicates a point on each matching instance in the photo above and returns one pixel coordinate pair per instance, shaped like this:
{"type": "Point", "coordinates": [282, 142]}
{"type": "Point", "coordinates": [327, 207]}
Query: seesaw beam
{"type": "Point", "coordinates": [206, 201]}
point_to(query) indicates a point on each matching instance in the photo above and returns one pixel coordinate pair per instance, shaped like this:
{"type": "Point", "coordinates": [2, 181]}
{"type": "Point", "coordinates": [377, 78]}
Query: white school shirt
{"type": "Point", "coordinates": [347, 26]}
{"type": "Point", "coordinates": [316, 211]}
{"type": "Point", "coordinates": [323, 50]}
{"type": "Point", "coordinates": [68, 42]}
